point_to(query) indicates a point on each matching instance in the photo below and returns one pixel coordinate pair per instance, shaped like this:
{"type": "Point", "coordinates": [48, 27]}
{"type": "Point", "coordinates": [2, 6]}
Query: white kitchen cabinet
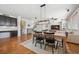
{"type": "Point", "coordinates": [4, 34]}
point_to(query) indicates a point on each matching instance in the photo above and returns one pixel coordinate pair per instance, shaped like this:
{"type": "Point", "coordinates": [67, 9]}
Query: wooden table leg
{"type": "Point", "coordinates": [64, 44]}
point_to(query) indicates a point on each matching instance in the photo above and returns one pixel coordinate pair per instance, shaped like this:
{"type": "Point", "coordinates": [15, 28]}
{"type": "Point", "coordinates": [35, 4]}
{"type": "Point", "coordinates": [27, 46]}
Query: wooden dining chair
{"type": "Point", "coordinates": [34, 36]}
{"type": "Point", "coordinates": [39, 38]}
{"type": "Point", "coordinates": [50, 40]}
{"type": "Point", "coordinates": [59, 43]}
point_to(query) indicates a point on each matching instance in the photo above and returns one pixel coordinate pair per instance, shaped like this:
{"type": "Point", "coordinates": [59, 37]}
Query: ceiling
{"type": "Point", "coordinates": [33, 10]}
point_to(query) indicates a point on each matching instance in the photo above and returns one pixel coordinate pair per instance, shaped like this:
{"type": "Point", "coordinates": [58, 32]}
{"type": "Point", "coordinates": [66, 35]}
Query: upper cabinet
{"type": "Point", "coordinates": [7, 21]}
{"type": "Point", "coordinates": [2, 20]}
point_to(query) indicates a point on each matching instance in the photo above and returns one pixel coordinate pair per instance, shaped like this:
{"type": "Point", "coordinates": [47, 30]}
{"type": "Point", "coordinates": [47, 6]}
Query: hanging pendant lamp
{"type": "Point", "coordinates": [42, 11]}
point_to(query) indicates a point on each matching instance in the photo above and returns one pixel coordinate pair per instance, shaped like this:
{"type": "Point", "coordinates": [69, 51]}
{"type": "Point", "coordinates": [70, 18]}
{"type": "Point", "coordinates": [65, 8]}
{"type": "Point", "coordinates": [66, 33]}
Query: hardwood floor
{"type": "Point", "coordinates": [11, 45]}
{"type": "Point", "coordinates": [74, 48]}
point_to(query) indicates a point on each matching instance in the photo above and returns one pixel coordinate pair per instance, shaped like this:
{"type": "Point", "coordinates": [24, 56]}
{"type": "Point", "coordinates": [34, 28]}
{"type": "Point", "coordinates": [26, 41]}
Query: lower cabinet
{"type": "Point", "coordinates": [4, 34]}
{"type": "Point", "coordinates": [13, 33]}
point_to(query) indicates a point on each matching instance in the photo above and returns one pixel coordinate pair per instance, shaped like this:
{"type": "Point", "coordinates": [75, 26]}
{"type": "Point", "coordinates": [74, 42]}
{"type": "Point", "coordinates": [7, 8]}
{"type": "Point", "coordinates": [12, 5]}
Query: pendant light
{"type": "Point", "coordinates": [42, 12]}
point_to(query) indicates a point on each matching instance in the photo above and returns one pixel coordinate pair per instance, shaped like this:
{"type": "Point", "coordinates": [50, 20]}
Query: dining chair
{"type": "Point", "coordinates": [49, 40]}
{"type": "Point", "coordinates": [39, 38]}
{"type": "Point", "coordinates": [34, 36]}
{"type": "Point", "coordinates": [59, 42]}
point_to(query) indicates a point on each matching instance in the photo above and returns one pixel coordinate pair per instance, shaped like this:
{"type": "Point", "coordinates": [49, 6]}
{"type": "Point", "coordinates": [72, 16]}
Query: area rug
{"type": "Point", "coordinates": [28, 44]}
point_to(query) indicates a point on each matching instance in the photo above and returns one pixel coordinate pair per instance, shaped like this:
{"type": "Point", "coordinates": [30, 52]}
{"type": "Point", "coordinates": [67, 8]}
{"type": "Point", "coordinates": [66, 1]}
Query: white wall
{"type": "Point", "coordinates": [73, 22]}
{"type": "Point", "coordinates": [24, 31]}
{"type": "Point", "coordinates": [28, 22]}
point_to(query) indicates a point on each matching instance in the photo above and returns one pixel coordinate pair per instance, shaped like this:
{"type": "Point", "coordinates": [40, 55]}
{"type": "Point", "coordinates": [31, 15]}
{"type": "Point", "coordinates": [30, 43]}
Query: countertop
{"type": "Point", "coordinates": [7, 28]}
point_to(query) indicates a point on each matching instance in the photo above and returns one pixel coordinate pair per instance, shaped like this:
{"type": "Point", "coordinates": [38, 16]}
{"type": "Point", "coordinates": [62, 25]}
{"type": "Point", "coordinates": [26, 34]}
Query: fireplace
{"type": "Point", "coordinates": [55, 27]}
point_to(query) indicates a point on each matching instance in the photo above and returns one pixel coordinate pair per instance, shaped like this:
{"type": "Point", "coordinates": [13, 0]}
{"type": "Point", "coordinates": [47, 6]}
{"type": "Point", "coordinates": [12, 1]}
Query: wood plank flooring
{"type": "Point", "coordinates": [11, 46]}
{"type": "Point", "coordinates": [74, 48]}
